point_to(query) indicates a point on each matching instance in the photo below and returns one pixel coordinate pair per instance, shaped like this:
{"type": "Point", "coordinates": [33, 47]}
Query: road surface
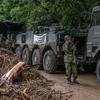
{"type": "Point", "coordinates": [88, 89]}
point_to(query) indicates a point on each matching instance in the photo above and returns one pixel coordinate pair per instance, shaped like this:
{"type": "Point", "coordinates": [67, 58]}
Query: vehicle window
{"type": "Point", "coordinates": [93, 19]}
{"type": "Point", "coordinates": [98, 18]}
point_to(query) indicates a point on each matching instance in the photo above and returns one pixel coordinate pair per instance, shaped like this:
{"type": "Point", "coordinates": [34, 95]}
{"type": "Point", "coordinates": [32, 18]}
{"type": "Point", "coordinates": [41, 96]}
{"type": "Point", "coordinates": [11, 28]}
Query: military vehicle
{"type": "Point", "coordinates": [43, 45]}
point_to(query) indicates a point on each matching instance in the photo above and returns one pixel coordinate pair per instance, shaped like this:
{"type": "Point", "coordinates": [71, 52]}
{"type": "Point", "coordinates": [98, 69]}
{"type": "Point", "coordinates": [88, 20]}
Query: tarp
{"type": "Point", "coordinates": [10, 27]}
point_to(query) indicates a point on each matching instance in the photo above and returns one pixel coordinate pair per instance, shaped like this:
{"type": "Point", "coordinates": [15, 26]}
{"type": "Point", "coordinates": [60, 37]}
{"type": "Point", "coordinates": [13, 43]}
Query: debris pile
{"type": "Point", "coordinates": [7, 60]}
{"type": "Point", "coordinates": [27, 83]}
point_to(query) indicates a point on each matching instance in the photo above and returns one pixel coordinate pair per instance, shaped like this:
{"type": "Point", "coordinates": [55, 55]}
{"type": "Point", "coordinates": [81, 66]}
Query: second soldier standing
{"type": "Point", "coordinates": [70, 64]}
{"type": "Point", "coordinates": [8, 43]}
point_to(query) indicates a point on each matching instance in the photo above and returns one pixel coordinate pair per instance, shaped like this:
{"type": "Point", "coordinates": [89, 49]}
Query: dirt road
{"type": "Point", "coordinates": [88, 89]}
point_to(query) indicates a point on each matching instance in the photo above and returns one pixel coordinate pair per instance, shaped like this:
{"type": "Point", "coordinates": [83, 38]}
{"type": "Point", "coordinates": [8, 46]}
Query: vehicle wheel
{"type": "Point", "coordinates": [37, 58]}
{"type": "Point", "coordinates": [49, 62]}
{"type": "Point", "coordinates": [89, 68]}
{"type": "Point", "coordinates": [26, 55]}
{"type": "Point", "coordinates": [18, 49]}
{"type": "Point", "coordinates": [98, 70]}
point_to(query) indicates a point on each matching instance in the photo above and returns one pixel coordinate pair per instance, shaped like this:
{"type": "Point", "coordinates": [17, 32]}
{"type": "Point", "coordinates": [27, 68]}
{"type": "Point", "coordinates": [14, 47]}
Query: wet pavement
{"type": "Point", "coordinates": [88, 89]}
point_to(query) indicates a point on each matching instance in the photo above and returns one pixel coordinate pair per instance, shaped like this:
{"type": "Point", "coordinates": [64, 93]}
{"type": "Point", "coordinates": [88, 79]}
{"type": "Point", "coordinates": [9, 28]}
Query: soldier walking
{"type": "Point", "coordinates": [8, 43]}
{"type": "Point", "coordinates": [69, 60]}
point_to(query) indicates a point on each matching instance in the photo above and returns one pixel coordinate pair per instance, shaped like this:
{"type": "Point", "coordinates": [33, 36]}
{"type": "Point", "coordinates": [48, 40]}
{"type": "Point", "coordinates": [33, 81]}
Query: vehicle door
{"type": "Point", "coordinates": [90, 35]}
{"type": "Point", "coordinates": [96, 35]}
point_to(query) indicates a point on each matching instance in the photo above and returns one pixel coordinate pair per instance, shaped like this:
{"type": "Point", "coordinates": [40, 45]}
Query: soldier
{"type": "Point", "coordinates": [70, 64]}
{"type": "Point", "coordinates": [1, 41]}
{"type": "Point", "coordinates": [8, 43]}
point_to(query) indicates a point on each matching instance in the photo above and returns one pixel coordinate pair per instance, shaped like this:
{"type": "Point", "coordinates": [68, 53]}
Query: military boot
{"type": "Point", "coordinates": [75, 81]}
{"type": "Point", "coordinates": [69, 82]}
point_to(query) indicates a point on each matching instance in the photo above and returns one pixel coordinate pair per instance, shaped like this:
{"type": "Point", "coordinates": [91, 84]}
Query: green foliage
{"type": "Point", "coordinates": [11, 65]}
{"type": "Point", "coordinates": [28, 72]}
{"type": "Point", "coordinates": [45, 12]}
{"type": "Point", "coordinates": [35, 76]}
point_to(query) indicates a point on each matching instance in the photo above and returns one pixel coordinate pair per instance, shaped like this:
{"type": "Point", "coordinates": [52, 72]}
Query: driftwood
{"type": "Point", "coordinates": [15, 71]}
{"type": "Point", "coordinates": [25, 94]}
{"type": "Point", "coordinates": [5, 50]}
{"type": "Point", "coordinates": [2, 83]}
{"type": "Point", "coordinates": [2, 91]}
{"type": "Point", "coordinates": [3, 55]}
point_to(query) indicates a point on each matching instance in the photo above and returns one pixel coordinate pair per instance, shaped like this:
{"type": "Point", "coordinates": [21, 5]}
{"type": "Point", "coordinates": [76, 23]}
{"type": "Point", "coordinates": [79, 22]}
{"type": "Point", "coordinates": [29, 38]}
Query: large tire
{"type": "Point", "coordinates": [37, 58]}
{"type": "Point", "coordinates": [18, 50]}
{"type": "Point", "coordinates": [26, 55]}
{"type": "Point", "coordinates": [89, 68]}
{"type": "Point", "coordinates": [98, 70]}
{"type": "Point", "coordinates": [49, 62]}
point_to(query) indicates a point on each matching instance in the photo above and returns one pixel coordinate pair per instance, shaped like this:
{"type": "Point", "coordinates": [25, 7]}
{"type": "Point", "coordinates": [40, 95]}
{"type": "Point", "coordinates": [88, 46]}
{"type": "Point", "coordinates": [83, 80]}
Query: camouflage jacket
{"type": "Point", "coordinates": [8, 43]}
{"type": "Point", "coordinates": [68, 49]}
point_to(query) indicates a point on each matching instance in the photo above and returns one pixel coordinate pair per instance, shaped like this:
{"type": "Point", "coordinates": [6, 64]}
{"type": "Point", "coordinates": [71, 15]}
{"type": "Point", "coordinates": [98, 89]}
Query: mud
{"type": "Point", "coordinates": [88, 89]}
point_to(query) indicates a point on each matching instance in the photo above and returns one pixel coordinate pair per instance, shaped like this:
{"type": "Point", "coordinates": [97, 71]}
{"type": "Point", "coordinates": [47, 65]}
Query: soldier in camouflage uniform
{"type": "Point", "coordinates": [1, 41]}
{"type": "Point", "coordinates": [8, 43]}
{"type": "Point", "coordinates": [70, 64]}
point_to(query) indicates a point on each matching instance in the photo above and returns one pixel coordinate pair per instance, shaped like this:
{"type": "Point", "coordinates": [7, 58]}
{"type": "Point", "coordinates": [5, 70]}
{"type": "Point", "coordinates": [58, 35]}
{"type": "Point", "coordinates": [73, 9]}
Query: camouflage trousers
{"type": "Point", "coordinates": [71, 69]}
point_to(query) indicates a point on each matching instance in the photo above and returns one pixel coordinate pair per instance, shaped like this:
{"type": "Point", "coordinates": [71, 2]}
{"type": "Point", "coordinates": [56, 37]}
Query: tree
{"type": "Point", "coordinates": [45, 12]}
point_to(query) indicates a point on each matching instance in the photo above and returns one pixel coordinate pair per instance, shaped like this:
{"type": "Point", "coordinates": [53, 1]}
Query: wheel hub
{"type": "Point", "coordinates": [35, 58]}
{"type": "Point", "coordinates": [47, 61]}
{"type": "Point", "coordinates": [25, 56]}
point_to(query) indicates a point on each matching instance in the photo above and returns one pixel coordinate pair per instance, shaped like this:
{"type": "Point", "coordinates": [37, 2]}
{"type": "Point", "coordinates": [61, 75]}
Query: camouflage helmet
{"type": "Point", "coordinates": [67, 37]}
